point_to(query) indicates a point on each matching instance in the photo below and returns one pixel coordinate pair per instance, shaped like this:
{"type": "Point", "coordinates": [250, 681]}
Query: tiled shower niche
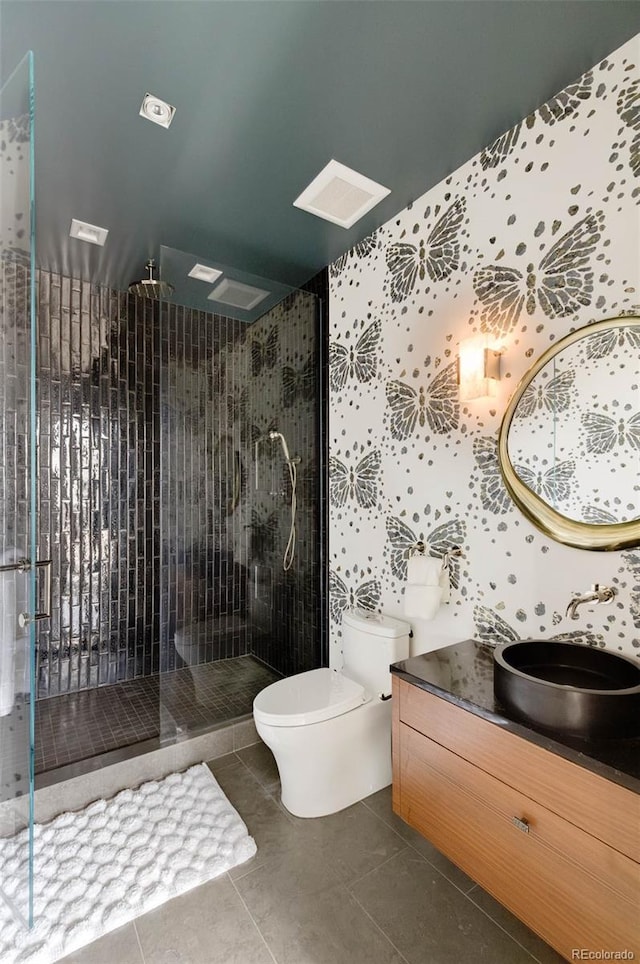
{"type": "Point", "coordinates": [165, 555]}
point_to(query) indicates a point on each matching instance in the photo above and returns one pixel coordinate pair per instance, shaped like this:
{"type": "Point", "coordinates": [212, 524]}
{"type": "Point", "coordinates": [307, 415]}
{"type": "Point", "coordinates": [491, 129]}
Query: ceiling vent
{"type": "Point", "coordinates": [237, 294]}
{"type": "Point", "coordinates": [204, 273]}
{"type": "Point", "coordinates": [340, 195]}
{"type": "Point", "coordinates": [84, 231]}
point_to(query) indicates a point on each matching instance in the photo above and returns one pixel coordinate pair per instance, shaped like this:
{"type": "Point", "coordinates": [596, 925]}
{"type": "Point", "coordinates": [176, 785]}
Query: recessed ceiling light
{"type": "Point", "coordinates": [204, 273]}
{"type": "Point", "coordinates": [237, 294]}
{"type": "Point", "coordinates": [88, 232]}
{"type": "Point", "coordinates": [340, 195]}
{"type": "Point", "coordinates": [157, 110]}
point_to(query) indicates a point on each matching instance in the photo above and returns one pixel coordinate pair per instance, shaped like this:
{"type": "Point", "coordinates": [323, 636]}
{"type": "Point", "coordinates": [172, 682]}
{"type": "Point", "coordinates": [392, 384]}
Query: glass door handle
{"type": "Point", "coordinates": [23, 566]}
{"type": "Point", "coordinates": [46, 565]}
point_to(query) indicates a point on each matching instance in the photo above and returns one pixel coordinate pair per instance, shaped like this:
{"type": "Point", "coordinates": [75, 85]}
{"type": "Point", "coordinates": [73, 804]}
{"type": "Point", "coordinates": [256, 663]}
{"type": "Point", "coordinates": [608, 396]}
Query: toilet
{"type": "Point", "coordinates": [329, 731]}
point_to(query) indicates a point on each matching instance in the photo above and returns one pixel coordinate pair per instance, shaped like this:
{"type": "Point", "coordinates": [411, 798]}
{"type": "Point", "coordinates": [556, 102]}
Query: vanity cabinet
{"type": "Point", "coordinates": [555, 843]}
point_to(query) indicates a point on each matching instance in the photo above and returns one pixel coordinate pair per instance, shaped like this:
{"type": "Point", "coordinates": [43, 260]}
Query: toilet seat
{"type": "Point", "coordinates": [320, 694]}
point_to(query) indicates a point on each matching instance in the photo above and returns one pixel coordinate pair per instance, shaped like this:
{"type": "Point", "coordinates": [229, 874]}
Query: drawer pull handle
{"type": "Point", "coordinates": [521, 824]}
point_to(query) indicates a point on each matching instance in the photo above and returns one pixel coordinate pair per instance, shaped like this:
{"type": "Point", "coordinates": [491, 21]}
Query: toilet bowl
{"type": "Point", "coordinates": [329, 731]}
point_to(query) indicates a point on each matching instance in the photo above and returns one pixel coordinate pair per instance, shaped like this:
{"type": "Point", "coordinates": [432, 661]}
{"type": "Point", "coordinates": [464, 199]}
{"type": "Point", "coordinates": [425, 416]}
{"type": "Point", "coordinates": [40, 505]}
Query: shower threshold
{"type": "Point", "coordinates": [77, 732]}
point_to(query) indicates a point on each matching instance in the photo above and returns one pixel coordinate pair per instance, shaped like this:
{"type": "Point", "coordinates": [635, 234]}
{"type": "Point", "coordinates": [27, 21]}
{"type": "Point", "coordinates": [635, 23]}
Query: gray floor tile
{"type": "Point", "coordinates": [243, 790]}
{"type": "Point", "coordinates": [207, 925]}
{"type": "Point", "coordinates": [262, 764]}
{"type": "Point", "coordinates": [222, 762]}
{"type": "Point", "coordinates": [380, 804]}
{"type": "Point", "coordinates": [305, 918]}
{"type": "Point", "coordinates": [538, 948]}
{"type": "Point", "coordinates": [293, 871]}
{"type": "Point", "coordinates": [356, 887]}
{"type": "Point", "coordinates": [354, 840]}
{"type": "Point", "coordinates": [266, 822]}
{"type": "Point", "coordinates": [429, 920]}
{"type": "Point", "coordinates": [119, 947]}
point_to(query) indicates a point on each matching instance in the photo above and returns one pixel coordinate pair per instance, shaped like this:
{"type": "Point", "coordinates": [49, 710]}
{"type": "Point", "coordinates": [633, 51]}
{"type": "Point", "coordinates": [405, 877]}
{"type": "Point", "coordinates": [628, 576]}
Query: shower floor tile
{"type": "Point", "coordinates": [77, 726]}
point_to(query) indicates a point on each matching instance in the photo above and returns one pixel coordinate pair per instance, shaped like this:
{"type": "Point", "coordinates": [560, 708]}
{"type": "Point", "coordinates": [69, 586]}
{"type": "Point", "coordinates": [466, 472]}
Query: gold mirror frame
{"type": "Point", "coordinates": [581, 535]}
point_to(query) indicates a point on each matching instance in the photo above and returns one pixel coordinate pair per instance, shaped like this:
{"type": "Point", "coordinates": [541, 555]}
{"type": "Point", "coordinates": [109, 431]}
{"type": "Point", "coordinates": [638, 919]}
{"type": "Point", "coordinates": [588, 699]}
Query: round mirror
{"type": "Point", "coordinates": [569, 443]}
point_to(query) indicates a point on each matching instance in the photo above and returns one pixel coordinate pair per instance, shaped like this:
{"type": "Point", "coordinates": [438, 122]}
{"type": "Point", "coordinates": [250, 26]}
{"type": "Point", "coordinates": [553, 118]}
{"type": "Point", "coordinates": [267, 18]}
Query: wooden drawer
{"type": "Point", "coordinates": [568, 886]}
{"type": "Point", "coordinates": [596, 805]}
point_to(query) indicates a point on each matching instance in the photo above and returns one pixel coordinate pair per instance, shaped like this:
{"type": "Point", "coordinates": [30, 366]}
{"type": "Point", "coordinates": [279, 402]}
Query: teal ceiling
{"type": "Point", "coordinates": [266, 93]}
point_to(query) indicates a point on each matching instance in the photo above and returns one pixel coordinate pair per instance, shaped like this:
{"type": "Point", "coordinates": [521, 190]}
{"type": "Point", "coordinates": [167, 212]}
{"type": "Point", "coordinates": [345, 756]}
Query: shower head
{"type": "Point", "coordinates": [151, 288]}
{"type": "Point", "coordinates": [273, 435]}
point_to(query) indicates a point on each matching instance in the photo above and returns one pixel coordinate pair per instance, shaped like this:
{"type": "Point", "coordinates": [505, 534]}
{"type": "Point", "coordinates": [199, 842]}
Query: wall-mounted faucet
{"type": "Point", "coordinates": [598, 594]}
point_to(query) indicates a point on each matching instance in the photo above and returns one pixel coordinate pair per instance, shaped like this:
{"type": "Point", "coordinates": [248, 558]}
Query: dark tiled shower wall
{"type": "Point", "coordinates": [204, 574]}
{"type": "Point", "coordinates": [98, 480]}
{"type": "Point", "coordinates": [219, 401]}
{"type": "Point", "coordinates": [127, 399]}
{"type": "Point", "coordinates": [101, 401]}
{"type": "Point", "coordinates": [282, 395]}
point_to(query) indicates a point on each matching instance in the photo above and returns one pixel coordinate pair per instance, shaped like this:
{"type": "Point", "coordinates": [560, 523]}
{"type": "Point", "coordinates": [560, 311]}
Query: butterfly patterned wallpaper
{"type": "Point", "coordinates": [536, 235]}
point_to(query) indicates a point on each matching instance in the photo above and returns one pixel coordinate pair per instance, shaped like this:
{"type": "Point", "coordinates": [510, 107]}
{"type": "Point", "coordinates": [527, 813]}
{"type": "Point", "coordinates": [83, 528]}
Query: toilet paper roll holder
{"type": "Point", "coordinates": [421, 548]}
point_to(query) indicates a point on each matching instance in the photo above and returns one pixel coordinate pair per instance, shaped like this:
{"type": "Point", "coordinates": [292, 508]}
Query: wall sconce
{"type": "Point", "coordinates": [478, 369]}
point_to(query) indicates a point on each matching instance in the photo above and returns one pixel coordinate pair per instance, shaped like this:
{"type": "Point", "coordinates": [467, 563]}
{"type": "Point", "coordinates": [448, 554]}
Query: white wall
{"type": "Point", "coordinates": [407, 459]}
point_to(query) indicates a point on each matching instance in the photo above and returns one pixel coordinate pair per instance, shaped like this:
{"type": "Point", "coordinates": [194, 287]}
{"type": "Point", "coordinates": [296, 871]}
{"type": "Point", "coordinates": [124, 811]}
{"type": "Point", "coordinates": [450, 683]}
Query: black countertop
{"type": "Point", "coordinates": [463, 675]}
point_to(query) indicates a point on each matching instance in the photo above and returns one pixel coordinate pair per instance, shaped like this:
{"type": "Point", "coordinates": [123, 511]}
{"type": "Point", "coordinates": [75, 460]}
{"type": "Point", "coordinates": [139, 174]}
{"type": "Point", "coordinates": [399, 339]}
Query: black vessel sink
{"type": "Point", "coordinates": [569, 688]}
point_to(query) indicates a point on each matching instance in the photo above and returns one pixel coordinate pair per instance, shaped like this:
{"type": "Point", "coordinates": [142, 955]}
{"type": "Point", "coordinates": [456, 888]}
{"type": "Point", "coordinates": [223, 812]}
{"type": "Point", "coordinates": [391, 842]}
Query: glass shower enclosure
{"type": "Point", "coordinates": [238, 394]}
{"type": "Point", "coordinates": [18, 566]}
{"type": "Point", "coordinates": [197, 581]}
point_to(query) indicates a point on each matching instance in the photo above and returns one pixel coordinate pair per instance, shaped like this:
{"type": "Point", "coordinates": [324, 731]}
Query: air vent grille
{"type": "Point", "coordinates": [237, 294]}
{"type": "Point", "coordinates": [340, 199]}
{"type": "Point", "coordinates": [340, 195]}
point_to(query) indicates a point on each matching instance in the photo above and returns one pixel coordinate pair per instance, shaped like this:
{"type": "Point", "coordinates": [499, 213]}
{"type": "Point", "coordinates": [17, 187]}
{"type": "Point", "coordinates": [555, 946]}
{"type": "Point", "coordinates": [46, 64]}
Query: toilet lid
{"type": "Point", "coordinates": [320, 694]}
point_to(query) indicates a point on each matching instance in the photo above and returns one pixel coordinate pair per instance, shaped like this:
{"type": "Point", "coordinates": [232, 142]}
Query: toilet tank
{"type": "Point", "coordinates": [370, 643]}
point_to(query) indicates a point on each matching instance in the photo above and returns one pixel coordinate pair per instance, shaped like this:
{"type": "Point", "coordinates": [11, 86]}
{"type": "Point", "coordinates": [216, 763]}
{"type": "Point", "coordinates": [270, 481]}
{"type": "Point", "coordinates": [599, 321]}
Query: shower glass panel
{"type": "Point", "coordinates": [238, 362]}
{"type": "Point", "coordinates": [17, 488]}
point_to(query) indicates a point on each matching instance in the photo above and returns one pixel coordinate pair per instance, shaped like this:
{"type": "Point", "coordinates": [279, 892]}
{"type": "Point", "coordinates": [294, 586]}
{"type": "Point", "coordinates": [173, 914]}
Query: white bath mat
{"type": "Point", "coordinates": [97, 869]}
